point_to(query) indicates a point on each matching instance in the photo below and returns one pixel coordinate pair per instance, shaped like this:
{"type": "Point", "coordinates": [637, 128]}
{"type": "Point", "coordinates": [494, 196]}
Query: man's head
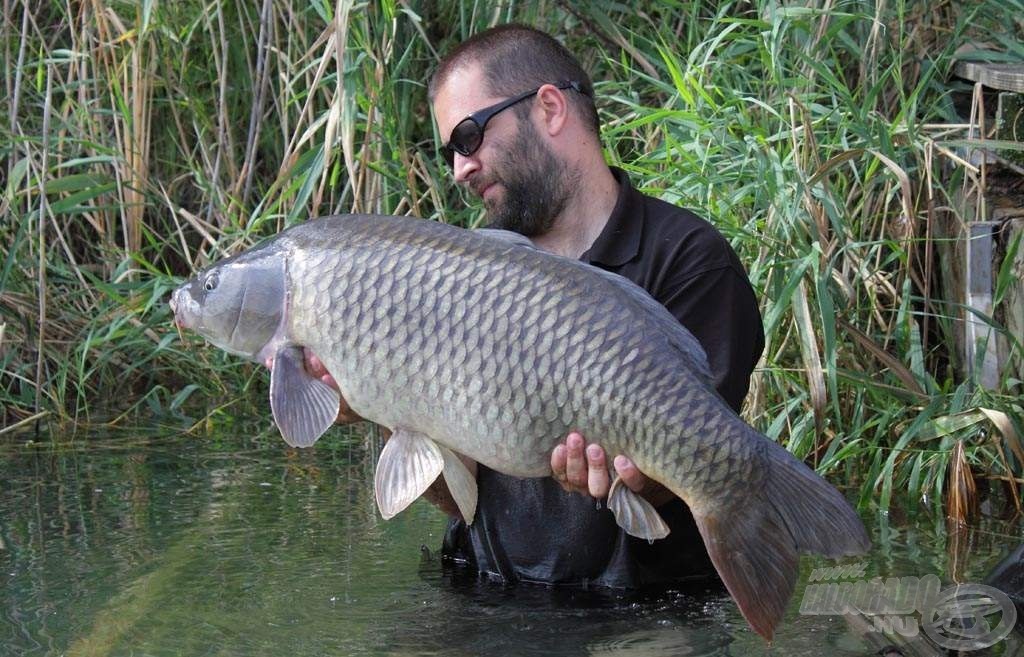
{"type": "Point", "coordinates": [527, 163]}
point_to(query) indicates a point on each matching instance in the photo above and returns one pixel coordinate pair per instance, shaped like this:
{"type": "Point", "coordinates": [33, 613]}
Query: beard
{"type": "Point", "coordinates": [535, 182]}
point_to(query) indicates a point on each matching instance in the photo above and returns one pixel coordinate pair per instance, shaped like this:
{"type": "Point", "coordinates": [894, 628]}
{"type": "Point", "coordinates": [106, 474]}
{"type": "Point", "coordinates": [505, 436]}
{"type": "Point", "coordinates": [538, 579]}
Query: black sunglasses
{"type": "Point", "coordinates": [468, 134]}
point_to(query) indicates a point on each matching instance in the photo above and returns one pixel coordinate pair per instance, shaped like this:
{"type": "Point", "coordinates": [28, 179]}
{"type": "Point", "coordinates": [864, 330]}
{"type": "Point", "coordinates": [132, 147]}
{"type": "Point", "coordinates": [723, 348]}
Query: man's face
{"type": "Point", "coordinates": [514, 172]}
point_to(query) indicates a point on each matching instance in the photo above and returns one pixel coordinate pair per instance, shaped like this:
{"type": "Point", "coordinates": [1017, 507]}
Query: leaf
{"type": "Point", "coordinates": [182, 395]}
{"type": "Point", "coordinates": [1002, 422]}
{"type": "Point", "coordinates": [890, 361]}
{"type": "Point", "coordinates": [949, 424]}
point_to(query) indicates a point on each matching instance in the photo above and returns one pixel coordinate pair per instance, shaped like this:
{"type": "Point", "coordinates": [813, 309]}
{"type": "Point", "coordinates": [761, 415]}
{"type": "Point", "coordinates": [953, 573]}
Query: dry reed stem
{"type": "Point", "coordinates": [961, 497]}
{"type": "Point", "coordinates": [811, 357]}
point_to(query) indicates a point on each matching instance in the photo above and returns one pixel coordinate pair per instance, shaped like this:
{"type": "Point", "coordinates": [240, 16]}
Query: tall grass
{"type": "Point", "coordinates": [143, 140]}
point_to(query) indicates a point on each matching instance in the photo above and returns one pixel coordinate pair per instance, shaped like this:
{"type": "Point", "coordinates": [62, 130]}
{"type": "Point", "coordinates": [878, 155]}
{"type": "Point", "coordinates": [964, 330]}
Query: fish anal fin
{"type": "Point", "coordinates": [409, 463]}
{"type": "Point", "coordinates": [634, 514]}
{"type": "Point", "coordinates": [303, 406]}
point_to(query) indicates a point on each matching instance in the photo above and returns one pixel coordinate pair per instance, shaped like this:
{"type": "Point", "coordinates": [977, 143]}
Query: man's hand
{"type": "Point", "coordinates": [582, 468]}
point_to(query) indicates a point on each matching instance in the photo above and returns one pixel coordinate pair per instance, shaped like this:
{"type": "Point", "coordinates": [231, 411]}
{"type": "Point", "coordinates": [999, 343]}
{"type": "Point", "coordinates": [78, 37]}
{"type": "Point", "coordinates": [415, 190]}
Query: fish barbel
{"type": "Point", "coordinates": [474, 343]}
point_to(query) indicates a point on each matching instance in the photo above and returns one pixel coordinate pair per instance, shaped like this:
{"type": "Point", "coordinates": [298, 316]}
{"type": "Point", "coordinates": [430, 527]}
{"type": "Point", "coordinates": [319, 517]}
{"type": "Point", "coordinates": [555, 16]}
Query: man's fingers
{"type": "Point", "coordinates": [329, 380]}
{"type": "Point", "coordinates": [630, 474]}
{"type": "Point", "coordinates": [313, 364]}
{"type": "Point", "coordinates": [558, 461]}
{"type": "Point", "coordinates": [576, 462]}
{"type": "Point", "coordinates": [315, 368]}
{"type": "Point", "coordinates": [597, 472]}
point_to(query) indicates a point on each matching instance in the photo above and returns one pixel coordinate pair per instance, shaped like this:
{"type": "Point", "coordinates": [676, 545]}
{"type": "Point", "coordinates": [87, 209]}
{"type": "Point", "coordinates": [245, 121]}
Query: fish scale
{"type": "Point", "coordinates": [474, 344]}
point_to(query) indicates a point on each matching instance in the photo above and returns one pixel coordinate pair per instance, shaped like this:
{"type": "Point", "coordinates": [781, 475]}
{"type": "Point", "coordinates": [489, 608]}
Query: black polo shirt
{"type": "Point", "coordinates": [531, 529]}
{"type": "Point", "coordinates": [686, 264]}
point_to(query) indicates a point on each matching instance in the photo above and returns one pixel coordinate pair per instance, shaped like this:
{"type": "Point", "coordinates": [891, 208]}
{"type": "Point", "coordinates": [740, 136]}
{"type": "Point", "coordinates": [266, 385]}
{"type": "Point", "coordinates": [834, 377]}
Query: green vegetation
{"type": "Point", "coordinates": [143, 140]}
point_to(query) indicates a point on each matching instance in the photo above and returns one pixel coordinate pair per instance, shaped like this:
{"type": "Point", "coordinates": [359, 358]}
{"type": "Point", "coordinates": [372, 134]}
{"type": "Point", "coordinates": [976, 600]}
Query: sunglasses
{"type": "Point", "coordinates": [468, 134]}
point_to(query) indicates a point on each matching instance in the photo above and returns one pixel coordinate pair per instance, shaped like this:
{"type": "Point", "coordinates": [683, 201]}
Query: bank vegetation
{"type": "Point", "coordinates": [140, 141]}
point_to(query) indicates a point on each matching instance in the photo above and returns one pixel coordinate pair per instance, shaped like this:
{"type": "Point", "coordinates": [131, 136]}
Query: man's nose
{"type": "Point", "coordinates": [464, 166]}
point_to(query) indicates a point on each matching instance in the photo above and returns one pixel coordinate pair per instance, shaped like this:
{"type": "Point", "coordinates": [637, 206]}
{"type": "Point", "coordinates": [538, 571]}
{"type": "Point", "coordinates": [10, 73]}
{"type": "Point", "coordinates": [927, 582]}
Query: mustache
{"type": "Point", "coordinates": [478, 186]}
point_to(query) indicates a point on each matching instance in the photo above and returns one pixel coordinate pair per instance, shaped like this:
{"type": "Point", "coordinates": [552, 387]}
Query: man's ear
{"type": "Point", "coordinates": [554, 107]}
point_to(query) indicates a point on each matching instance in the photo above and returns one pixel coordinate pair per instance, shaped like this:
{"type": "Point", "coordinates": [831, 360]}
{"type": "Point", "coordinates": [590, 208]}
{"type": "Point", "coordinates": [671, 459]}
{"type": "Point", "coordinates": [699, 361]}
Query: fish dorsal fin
{"type": "Point", "coordinates": [635, 514]}
{"type": "Point", "coordinates": [679, 336]}
{"type": "Point", "coordinates": [461, 484]}
{"type": "Point", "coordinates": [506, 236]}
{"type": "Point", "coordinates": [304, 407]}
{"type": "Point", "coordinates": [408, 465]}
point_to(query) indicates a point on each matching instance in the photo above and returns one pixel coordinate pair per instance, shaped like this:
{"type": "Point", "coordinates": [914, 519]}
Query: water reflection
{"type": "Point", "coordinates": [239, 546]}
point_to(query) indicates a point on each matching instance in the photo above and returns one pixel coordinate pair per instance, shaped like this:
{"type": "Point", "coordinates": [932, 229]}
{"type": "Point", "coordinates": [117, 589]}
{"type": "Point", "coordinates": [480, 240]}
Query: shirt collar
{"type": "Point", "coordinates": [619, 241]}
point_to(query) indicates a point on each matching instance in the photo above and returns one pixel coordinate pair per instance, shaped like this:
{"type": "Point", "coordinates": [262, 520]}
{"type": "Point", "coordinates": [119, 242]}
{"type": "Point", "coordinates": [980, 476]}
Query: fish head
{"type": "Point", "coordinates": [237, 304]}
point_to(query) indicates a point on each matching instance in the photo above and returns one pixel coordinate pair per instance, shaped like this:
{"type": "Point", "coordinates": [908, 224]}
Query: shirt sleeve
{"type": "Point", "coordinates": [718, 306]}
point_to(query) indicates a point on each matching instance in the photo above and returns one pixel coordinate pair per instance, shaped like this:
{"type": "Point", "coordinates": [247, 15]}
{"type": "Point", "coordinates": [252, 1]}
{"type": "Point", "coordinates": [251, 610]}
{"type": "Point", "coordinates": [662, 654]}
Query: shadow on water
{"type": "Point", "coordinates": [177, 545]}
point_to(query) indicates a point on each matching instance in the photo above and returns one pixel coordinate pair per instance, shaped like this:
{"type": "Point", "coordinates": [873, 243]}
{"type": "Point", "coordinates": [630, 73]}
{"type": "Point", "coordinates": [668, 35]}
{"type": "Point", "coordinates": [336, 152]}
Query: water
{"type": "Point", "coordinates": [179, 545]}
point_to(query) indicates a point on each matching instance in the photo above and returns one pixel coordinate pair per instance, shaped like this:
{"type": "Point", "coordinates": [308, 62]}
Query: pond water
{"type": "Point", "coordinates": [185, 545]}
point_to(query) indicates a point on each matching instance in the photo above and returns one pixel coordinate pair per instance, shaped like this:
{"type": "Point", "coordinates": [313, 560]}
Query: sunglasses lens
{"type": "Point", "coordinates": [466, 137]}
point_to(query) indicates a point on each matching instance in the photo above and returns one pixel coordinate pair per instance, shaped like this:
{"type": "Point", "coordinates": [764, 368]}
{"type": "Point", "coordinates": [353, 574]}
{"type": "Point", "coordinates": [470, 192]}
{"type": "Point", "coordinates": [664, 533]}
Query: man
{"type": "Point", "coordinates": [523, 135]}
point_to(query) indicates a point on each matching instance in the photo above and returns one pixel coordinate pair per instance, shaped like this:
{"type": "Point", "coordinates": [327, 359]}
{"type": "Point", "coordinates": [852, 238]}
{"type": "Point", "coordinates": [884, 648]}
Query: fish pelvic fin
{"type": "Point", "coordinates": [304, 407]}
{"type": "Point", "coordinates": [408, 465]}
{"type": "Point", "coordinates": [756, 544]}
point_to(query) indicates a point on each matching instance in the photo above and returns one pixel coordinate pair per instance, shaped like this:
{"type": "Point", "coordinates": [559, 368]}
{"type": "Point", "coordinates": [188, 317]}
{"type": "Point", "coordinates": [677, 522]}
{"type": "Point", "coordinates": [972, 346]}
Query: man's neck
{"type": "Point", "coordinates": [585, 215]}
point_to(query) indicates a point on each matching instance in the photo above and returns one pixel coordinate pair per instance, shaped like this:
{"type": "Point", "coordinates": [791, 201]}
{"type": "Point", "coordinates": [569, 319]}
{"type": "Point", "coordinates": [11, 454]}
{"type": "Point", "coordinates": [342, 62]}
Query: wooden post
{"type": "Point", "coordinates": [981, 356]}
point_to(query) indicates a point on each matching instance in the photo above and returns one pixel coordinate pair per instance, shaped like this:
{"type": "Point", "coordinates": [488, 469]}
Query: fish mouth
{"type": "Point", "coordinates": [178, 307]}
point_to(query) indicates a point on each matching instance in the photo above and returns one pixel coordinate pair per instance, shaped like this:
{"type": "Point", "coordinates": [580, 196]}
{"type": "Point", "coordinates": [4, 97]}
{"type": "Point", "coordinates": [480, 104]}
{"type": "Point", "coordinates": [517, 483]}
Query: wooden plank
{"type": "Point", "coordinates": [1003, 76]}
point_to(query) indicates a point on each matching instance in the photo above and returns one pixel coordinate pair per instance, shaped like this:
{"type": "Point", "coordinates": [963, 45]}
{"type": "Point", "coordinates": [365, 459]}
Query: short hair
{"type": "Point", "coordinates": [516, 58]}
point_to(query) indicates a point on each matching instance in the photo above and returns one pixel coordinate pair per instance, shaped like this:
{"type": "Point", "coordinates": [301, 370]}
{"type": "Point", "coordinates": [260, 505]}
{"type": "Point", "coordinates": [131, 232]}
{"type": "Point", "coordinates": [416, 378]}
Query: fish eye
{"type": "Point", "coordinates": [210, 283]}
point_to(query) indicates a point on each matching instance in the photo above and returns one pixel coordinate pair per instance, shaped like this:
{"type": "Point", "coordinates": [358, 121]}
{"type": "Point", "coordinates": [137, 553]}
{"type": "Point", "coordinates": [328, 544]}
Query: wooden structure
{"type": "Point", "coordinates": [989, 247]}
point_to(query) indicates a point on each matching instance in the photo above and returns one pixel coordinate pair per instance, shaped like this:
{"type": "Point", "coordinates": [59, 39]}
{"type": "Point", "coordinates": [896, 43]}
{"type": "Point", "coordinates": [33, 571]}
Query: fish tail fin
{"type": "Point", "coordinates": [755, 545]}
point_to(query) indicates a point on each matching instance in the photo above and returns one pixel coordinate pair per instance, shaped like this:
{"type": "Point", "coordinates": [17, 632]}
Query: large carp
{"type": "Point", "coordinates": [474, 343]}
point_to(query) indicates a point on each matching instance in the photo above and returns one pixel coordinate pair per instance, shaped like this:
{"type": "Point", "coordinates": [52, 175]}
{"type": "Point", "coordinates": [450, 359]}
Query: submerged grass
{"type": "Point", "coordinates": [143, 140]}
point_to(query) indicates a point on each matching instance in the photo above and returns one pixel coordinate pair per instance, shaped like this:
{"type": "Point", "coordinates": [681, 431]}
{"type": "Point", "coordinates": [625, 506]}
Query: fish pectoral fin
{"type": "Point", "coordinates": [409, 463]}
{"type": "Point", "coordinates": [304, 407]}
{"type": "Point", "coordinates": [635, 514]}
{"type": "Point", "coordinates": [461, 484]}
